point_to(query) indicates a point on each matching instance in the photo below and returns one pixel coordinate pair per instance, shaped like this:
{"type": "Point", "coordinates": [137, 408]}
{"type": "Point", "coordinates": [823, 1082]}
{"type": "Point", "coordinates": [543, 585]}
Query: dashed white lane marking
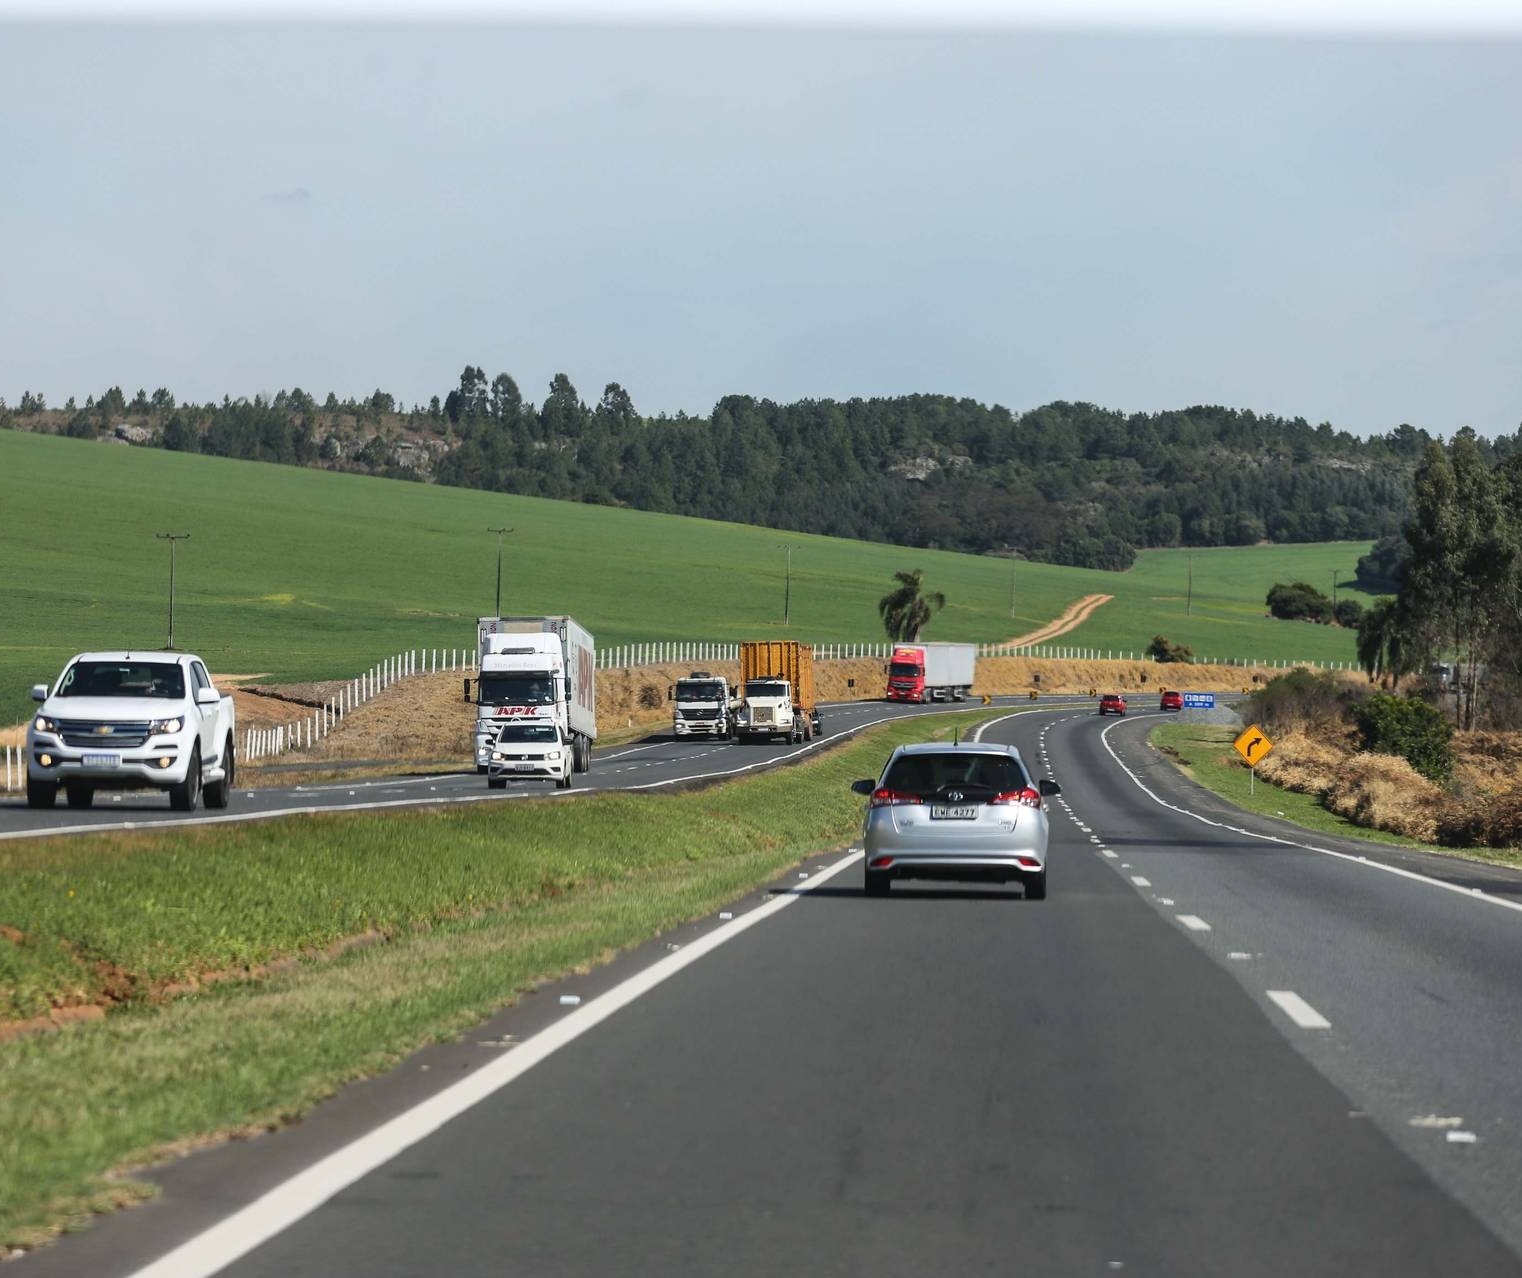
{"type": "Point", "coordinates": [1108, 853]}
{"type": "Point", "coordinates": [1194, 922]}
{"type": "Point", "coordinates": [1141, 882]}
{"type": "Point", "coordinates": [283, 1206]}
{"type": "Point", "coordinates": [1298, 1010]}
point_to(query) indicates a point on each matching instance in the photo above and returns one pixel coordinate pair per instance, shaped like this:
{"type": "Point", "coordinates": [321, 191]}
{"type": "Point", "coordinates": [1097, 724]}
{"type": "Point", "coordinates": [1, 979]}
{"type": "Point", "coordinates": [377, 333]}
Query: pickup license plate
{"type": "Point", "coordinates": [942, 812]}
{"type": "Point", "coordinates": [524, 767]}
{"type": "Point", "coordinates": [102, 761]}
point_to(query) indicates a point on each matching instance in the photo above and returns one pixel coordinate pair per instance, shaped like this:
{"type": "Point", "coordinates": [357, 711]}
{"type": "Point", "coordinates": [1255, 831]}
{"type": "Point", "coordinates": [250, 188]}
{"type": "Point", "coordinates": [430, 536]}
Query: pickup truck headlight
{"type": "Point", "coordinates": [553, 756]}
{"type": "Point", "coordinates": [43, 724]}
{"type": "Point", "coordinates": [497, 754]}
{"type": "Point", "coordinates": [165, 726]}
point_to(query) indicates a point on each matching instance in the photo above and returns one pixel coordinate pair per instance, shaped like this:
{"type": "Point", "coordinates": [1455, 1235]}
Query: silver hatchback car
{"type": "Point", "coordinates": [956, 811]}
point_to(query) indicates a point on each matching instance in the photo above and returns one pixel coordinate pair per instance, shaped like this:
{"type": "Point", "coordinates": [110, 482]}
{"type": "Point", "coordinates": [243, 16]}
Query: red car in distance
{"type": "Point", "coordinates": [1112, 703]}
{"type": "Point", "coordinates": [1171, 701]}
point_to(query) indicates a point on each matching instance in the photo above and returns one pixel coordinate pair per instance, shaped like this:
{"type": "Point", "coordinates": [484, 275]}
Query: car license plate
{"type": "Point", "coordinates": [524, 767]}
{"type": "Point", "coordinates": [102, 761]}
{"type": "Point", "coordinates": [943, 812]}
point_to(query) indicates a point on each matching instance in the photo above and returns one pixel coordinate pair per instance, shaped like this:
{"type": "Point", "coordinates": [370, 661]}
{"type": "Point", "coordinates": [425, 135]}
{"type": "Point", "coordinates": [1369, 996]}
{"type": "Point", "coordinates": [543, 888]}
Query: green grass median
{"type": "Point", "coordinates": [243, 999]}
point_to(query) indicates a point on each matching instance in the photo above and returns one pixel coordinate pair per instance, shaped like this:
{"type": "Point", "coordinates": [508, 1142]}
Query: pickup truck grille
{"type": "Point", "coordinates": [82, 734]}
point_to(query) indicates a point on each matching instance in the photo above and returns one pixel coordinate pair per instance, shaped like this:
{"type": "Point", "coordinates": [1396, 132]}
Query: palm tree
{"type": "Point", "coordinates": [906, 608]}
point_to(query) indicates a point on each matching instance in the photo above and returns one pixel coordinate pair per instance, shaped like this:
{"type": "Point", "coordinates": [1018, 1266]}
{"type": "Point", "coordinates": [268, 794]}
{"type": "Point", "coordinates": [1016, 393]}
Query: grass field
{"type": "Point", "coordinates": [309, 574]}
{"type": "Point", "coordinates": [473, 910]}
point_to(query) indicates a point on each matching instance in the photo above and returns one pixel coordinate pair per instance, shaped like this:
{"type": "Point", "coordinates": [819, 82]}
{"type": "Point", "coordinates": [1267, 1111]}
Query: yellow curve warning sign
{"type": "Point", "coordinates": [1253, 745]}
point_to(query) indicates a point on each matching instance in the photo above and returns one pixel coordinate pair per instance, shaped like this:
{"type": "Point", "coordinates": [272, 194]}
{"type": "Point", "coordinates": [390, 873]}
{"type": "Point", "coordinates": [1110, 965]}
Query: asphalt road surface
{"type": "Point", "coordinates": [655, 763]}
{"type": "Point", "coordinates": [1219, 1048]}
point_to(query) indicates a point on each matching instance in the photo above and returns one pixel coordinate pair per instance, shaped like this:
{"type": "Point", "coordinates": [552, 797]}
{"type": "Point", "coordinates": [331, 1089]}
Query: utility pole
{"type": "Point", "coordinates": [500, 533]}
{"type": "Point", "coordinates": [1189, 598]}
{"type": "Point", "coordinates": [787, 588]}
{"type": "Point", "coordinates": [171, 538]}
{"type": "Point", "coordinates": [1011, 587]}
{"type": "Point", "coordinates": [1334, 589]}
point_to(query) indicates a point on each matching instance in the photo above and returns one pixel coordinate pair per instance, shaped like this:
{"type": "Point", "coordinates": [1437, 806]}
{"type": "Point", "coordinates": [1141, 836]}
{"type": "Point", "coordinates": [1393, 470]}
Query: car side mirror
{"type": "Point", "coordinates": [39, 692]}
{"type": "Point", "coordinates": [863, 787]}
{"type": "Point", "coordinates": [207, 697]}
{"type": "Point", "coordinates": [1049, 788]}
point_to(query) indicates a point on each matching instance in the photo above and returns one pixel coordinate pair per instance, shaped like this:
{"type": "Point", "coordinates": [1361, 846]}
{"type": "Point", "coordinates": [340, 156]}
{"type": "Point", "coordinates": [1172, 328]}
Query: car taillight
{"type": "Point", "coordinates": [1027, 798]}
{"type": "Point", "coordinates": [885, 798]}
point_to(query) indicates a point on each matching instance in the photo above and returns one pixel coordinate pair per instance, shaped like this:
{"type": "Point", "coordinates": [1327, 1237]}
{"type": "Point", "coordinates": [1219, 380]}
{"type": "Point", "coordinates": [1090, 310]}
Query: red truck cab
{"type": "Point", "coordinates": [906, 673]}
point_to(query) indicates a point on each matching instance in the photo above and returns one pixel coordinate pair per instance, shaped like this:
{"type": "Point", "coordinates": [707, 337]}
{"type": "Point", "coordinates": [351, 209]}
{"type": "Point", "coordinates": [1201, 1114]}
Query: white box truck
{"type": "Point", "coordinates": [535, 669]}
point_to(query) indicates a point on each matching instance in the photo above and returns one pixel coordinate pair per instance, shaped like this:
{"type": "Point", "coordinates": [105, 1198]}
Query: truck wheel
{"type": "Point", "coordinates": [183, 797]}
{"type": "Point", "coordinates": [79, 795]}
{"type": "Point", "coordinates": [40, 794]}
{"type": "Point", "coordinates": [808, 730]}
{"type": "Point", "coordinates": [581, 755]}
{"type": "Point", "coordinates": [219, 793]}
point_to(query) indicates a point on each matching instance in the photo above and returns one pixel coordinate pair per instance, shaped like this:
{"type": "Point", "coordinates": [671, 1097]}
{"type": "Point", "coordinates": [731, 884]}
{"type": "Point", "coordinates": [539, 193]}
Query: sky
{"type": "Point", "coordinates": [1138, 207]}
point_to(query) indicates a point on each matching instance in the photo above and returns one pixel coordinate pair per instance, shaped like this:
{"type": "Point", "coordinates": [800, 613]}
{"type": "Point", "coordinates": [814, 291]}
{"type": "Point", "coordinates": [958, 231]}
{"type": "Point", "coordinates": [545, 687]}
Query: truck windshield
{"type": "Point", "coordinates": [123, 679]}
{"type": "Point", "coordinates": [515, 690]}
{"type": "Point", "coordinates": [528, 732]}
{"type": "Point", "coordinates": [905, 670]}
{"type": "Point", "coordinates": [766, 688]}
{"type": "Point", "coordinates": [699, 692]}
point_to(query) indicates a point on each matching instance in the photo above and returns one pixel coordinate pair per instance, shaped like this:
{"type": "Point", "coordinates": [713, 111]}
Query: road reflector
{"type": "Point", "coordinates": [1252, 745]}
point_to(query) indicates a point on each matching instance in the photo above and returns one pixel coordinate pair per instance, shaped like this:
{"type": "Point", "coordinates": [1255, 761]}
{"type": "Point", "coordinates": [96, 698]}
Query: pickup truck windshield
{"type": "Point", "coordinates": [123, 679]}
{"type": "Point", "coordinates": [515, 690]}
{"type": "Point", "coordinates": [766, 688]}
{"type": "Point", "coordinates": [699, 692]}
{"type": "Point", "coordinates": [528, 732]}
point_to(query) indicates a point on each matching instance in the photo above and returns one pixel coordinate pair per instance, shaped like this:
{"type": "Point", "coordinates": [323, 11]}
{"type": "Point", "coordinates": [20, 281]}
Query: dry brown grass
{"type": "Point", "coordinates": [1384, 792]}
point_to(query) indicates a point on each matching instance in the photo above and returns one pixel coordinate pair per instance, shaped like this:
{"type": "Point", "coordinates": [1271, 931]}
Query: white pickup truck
{"type": "Point", "coordinates": [131, 721]}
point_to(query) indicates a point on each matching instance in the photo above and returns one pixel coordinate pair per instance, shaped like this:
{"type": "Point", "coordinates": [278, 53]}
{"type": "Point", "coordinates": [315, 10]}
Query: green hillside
{"type": "Point", "coordinates": [308, 573]}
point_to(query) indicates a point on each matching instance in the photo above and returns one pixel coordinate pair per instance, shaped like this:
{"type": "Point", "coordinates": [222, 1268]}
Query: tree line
{"type": "Point", "coordinates": [1070, 483]}
{"type": "Point", "coordinates": [1456, 616]}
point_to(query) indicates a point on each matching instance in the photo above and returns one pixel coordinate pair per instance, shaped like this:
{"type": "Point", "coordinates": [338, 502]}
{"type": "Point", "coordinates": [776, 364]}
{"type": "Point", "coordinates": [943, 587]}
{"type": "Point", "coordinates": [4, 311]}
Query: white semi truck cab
{"type": "Point", "coordinates": [703, 705]}
{"type": "Point", "coordinates": [535, 670]}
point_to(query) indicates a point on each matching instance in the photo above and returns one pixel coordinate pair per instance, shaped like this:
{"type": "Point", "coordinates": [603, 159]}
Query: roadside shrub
{"type": "Point", "coordinates": [651, 697]}
{"type": "Point", "coordinates": [1384, 792]}
{"type": "Point", "coordinates": [1300, 699]}
{"type": "Point", "coordinates": [1163, 649]}
{"type": "Point", "coordinates": [1409, 728]}
{"type": "Point", "coordinates": [1481, 822]}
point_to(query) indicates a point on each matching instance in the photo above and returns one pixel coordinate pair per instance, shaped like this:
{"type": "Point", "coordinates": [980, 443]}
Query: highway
{"type": "Point", "coordinates": [1221, 1047]}
{"type": "Point", "coordinates": [655, 763]}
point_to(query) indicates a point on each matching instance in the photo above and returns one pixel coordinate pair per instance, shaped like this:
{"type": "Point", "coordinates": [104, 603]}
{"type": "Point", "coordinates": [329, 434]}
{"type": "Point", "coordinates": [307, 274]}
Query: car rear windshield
{"type": "Point", "coordinates": [928, 774]}
{"type": "Point", "coordinates": [123, 679]}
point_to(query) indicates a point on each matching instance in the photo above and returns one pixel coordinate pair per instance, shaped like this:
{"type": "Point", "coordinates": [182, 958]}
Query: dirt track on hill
{"type": "Point", "coordinates": [1073, 616]}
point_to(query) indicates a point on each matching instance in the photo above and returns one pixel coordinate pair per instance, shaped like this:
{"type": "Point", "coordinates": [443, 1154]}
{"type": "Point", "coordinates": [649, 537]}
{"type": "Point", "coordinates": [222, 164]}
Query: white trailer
{"type": "Point", "coordinates": [949, 670]}
{"type": "Point", "coordinates": [535, 668]}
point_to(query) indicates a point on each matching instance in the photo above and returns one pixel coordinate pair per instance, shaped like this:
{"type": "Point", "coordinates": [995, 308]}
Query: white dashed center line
{"type": "Point", "coordinates": [1298, 1010]}
{"type": "Point", "coordinates": [1194, 922]}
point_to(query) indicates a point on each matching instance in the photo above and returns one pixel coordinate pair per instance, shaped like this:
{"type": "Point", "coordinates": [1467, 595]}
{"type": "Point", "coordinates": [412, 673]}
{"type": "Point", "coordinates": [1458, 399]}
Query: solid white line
{"type": "Point", "coordinates": [1298, 1010]}
{"type": "Point", "coordinates": [283, 1206]}
{"type": "Point", "coordinates": [1141, 882]}
{"type": "Point", "coordinates": [1473, 894]}
{"type": "Point", "coordinates": [1194, 922]}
